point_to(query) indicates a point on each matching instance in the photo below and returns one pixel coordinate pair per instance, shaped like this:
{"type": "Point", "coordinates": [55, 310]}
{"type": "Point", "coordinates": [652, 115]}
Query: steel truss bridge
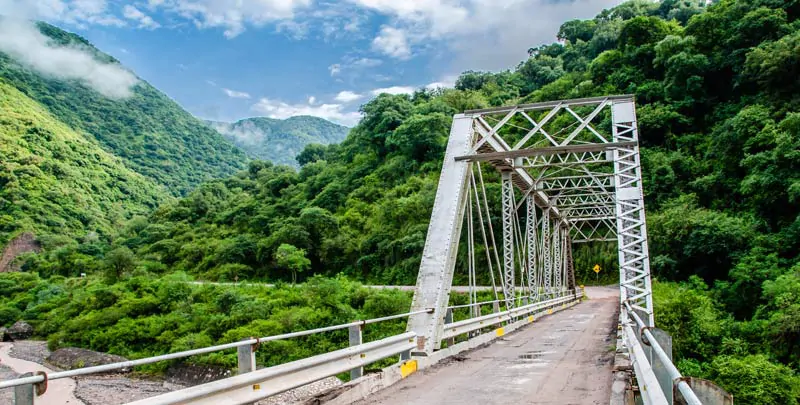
{"type": "Point", "coordinates": [569, 173]}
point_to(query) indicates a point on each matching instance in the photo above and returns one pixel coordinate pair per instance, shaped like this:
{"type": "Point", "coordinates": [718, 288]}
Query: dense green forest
{"type": "Point", "coordinates": [280, 141]}
{"type": "Point", "coordinates": [718, 104]}
{"type": "Point", "coordinates": [152, 134]}
{"type": "Point", "coordinates": [57, 184]}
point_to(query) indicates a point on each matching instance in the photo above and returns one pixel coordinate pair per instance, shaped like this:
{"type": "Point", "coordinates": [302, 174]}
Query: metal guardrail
{"type": "Point", "coordinates": [250, 387]}
{"type": "Point", "coordinates": [651, 390]}
{"type": "Point", "coordinates": [245, 347]}
{"type": "Point", "coordinates": [252, 384]}
{"type": "Point", "coordinates": [472, 324]}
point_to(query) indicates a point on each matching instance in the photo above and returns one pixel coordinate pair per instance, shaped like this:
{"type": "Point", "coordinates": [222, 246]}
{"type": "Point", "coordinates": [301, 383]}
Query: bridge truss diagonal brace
{"type": "Point", "coordinates": [436, 269]}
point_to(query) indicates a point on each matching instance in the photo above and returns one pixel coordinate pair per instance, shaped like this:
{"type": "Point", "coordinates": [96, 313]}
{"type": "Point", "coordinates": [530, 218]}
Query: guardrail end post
{"type": "Point", "coordinates": [24, 394]}
{"type": "Point", "coordinates": [356, 338]}
{"type": "Point", "coordinates": [246, 356]}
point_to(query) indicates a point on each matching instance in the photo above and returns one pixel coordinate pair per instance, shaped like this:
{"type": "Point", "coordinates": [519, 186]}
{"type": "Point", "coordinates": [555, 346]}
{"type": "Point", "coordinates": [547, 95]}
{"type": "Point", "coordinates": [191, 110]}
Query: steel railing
{"type": "Point", "coordinates": [473, 324]}
{"type": "Point", "coordinates": [42, 378]}
{"type": "Point", "coordinates": [251, 384]}
{"type": "Point", "coordinates": [652, 392]}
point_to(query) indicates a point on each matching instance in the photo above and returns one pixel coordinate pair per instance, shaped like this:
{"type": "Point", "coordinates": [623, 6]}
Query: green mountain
{"type": "Point", "coordinates": [280, 141]}
{"type": "Point", "coordinates": [78, 157]}
{"type": "Point", "coordinates": [151, 133]}
{"type": "Point", "coordinates": [55, 181]}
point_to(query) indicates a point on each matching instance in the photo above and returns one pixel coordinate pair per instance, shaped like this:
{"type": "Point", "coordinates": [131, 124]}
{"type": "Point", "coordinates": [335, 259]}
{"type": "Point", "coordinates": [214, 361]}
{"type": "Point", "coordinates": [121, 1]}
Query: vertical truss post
{"type": "Point", "coordinates": [557, 261]}
{"type": "Point", "coordinates": [509, 212]}
{"type": "Point", "coordinates": [564, 265]}
{"type": "Point", "coordinates": [532, 243]}
{"type": "Point", "coordinates": [435, 277]}
{"type": "Point", "coordinates": [548, 265]}
{"type": "Point", "coordinates": [570, 263]}
{"type": "Point", "coordinates": [634, 260]}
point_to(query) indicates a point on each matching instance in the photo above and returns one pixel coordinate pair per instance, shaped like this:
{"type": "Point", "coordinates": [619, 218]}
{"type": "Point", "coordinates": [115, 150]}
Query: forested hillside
{"type": "Point", "coordinates": [152, 134]}
{"type": "Point", "coordinates": [57, 184]}
{"type": "Point", "coordinates": [280, 141]}
{"type": "Point", "coordinates": [718, 101]}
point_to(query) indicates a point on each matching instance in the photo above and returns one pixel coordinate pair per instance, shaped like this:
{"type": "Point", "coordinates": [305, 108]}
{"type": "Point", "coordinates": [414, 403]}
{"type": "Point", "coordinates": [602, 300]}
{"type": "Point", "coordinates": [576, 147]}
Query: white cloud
{"type": "Point", "coordinates": [282, 110]}
{"type": "Point", "coordinates": [73, 12]}
{"type": "Point", "coordinates": [353, 65]}
{"type": "Point", "coordinates": [145, 21]}
{"type": "Point", "coordinates": [23, 41]}
{"type": "Point", "coordinates": [393, 90]}
{"type": "Point", "coordinates": [392, 42]}
{"type": "Point", "coordinates": [483, 34]}
{"type": "Point", "coordinates": [446, 82]}
{"type": "Point", "coordinates": [347, 96]}
{"type": "Point", "coordinates": [312, 100]}
{"type": "Point", "coordinates": [366, 63]}
{"type": "Point", "coordinates": [234, 94]}
{"type": "Point", "coordinates": [233, 16]}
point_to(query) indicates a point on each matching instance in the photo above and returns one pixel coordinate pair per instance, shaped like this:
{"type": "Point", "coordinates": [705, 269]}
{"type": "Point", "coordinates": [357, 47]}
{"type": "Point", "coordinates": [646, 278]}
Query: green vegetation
{"type": "Point", "coordinates": [280, 141]}
{"type": "Point", "coordinates": [152, 134]}
{"type": "Point", "coordinates": [717, 96]}
{"type": "Point", "coordinates": [54, 181]}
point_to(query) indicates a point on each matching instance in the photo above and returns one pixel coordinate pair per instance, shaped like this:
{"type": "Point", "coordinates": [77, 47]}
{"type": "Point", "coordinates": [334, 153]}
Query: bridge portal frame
{"type": "Point", "coordinates": [548, 168]}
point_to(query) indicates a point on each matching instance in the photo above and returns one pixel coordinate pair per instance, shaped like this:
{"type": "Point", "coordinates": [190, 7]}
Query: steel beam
{"type": "Point", "coordinates": [554, 150]}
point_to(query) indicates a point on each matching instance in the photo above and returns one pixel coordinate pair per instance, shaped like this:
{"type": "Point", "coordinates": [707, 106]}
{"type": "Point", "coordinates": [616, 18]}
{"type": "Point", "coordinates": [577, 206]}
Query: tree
{"type": "Point", "coordinates": [311, 153]}
{"type": "Point", "coordinates": [119, 261]}
{"type": "Point", "coordinates": [292, 259]}
{"type": "Point", "coordinates": [575, 30]}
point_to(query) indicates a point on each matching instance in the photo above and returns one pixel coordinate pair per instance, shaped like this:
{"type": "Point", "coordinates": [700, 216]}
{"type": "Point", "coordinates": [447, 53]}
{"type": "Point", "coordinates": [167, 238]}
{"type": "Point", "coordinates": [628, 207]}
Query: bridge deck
{"type": "Point", "coordinates": [563, 359]}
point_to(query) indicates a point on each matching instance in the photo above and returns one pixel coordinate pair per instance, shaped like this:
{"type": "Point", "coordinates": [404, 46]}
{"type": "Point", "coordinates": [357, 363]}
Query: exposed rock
{"type": "Point", "coordinates": [30, 350]}
{"type": "Point", "coordinates": [3, 337]}
{"type": "Point", "coordinates": [24, 243]}
{"type": "Point", "coordinates": [70, 358]}
{"type": "Point", "coordinates": [194, 374]}
{"type": "Point", "coordinates": [19, 331]}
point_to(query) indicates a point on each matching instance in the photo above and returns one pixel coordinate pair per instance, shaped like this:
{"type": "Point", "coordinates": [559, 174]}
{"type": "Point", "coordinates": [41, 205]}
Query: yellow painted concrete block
{"type": "Point", "coordinates": [408, 368]}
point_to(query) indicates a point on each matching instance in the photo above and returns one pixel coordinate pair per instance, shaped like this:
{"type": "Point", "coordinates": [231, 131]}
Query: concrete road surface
{"type": "Point", "coordinates": [564, 359]}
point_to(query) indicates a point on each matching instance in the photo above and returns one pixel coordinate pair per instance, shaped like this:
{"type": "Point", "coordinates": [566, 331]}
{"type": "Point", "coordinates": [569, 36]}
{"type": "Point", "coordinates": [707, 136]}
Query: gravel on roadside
{"type": "Point", "coordinates": [301, 393]}
{"type": "Point", "coordinates": [114, 389]}
{"type": "Point", "coordinates": [118, 389]}
{"type": "Point", "coordinates": [7, 395]}
{"type": "Point", "coordinates": [31, 350]}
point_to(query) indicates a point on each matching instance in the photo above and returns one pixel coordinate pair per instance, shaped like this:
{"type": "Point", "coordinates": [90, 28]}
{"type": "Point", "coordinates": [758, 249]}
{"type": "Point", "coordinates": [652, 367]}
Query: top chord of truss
{"type": "Point", "coordinates": [550, 104]}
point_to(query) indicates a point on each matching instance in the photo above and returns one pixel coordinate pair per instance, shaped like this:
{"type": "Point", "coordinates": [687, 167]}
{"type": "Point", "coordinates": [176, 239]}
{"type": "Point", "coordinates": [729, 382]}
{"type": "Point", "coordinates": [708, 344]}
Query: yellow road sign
{"type": "Point", "coordinates": [596, 268]}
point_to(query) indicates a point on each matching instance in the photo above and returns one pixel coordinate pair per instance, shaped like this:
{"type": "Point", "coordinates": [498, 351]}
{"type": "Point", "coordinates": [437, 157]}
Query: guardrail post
{"type": "Point", "coordinates": [247, 358]}
{"type": "Point", "coordinates": [448, 318]}
{"type": "Point", "coordinates": [24, 394]}
{"type": "Point", "coordinates": [356, 338]}
{"type": "Point", "coordinates": [496, 307]}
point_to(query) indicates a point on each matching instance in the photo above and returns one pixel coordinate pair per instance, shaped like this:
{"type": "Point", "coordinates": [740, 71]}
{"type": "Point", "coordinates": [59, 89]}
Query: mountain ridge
{"type": "Point", "coordinates": [279, 140]}
{"type": "Point", "coordinates": [148, 130]}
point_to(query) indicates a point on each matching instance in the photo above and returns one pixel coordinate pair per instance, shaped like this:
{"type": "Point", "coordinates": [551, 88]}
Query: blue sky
{"type": "Point", "coordinates": [231, 59]}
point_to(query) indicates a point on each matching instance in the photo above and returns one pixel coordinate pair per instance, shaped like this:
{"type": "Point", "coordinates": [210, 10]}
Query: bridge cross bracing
{"type": "Point", "coordinates": [569, 173]}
